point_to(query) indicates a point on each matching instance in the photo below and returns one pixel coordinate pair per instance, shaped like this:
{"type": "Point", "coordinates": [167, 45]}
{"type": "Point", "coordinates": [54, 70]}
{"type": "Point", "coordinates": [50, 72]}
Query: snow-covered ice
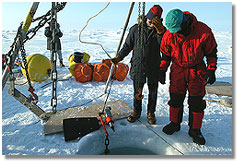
{"type": "Point", "coordinates": [22, 131]}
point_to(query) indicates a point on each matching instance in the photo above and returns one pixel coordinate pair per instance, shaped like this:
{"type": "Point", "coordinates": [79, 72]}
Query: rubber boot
{"type": "Point", "coordinates": [175, 118]}
{"type": "Point", "coordinates": [197, 136]}
{"type": "Point", "coordinates": [195, 124]}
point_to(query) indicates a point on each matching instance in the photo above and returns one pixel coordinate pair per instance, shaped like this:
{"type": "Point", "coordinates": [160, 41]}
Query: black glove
{"type": "Point", "coordinates": [116, 59]}
{"type": "Point", "coordinates": [210, 77]}
{"type": "Point", "coordinates": [162, 77]}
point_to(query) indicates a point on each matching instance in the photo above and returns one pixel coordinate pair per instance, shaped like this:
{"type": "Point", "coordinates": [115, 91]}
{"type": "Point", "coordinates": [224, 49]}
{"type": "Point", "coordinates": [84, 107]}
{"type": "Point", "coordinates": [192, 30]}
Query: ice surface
{"type": "Point", "coordinates": [22, 131]}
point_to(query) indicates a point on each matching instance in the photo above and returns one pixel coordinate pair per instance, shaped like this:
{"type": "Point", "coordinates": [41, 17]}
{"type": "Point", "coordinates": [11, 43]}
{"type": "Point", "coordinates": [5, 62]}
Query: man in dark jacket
{"type": "Point", "coordinates": [48, 34]}
{"type": "Point", "coordinates": [186, 42]}
{"type": "Point", "coordinates": [145, 61]}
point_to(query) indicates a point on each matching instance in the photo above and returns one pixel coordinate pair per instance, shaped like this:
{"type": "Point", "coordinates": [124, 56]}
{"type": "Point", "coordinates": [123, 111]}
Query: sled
{"type": "Point", "coordinates": [220, 88]}
{"type": "Point", "coordinates": [54, 124]}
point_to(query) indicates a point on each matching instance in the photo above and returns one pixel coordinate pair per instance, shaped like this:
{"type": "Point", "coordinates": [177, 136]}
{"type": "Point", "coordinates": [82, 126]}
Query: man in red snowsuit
{"type": "Point", "coordinates": [185, 44]}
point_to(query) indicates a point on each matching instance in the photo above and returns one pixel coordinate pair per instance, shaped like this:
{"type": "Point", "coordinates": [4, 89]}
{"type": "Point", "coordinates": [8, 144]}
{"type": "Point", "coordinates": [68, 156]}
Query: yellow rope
{"type": "Point", "coordinates": [94, 43]}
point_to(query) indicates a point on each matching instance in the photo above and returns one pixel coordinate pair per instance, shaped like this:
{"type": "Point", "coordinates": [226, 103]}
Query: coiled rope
{"type": "Point", "coordinates": [94, 43]}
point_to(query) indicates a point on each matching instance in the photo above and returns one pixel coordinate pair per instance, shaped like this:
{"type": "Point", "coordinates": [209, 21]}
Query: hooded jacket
{"type": "Point", "coordinates": [187, 49]}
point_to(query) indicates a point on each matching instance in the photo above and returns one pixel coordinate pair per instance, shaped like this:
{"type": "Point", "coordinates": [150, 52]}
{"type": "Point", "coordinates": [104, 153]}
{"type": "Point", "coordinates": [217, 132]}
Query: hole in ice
{"type": "Point", "coordinates": [130, 151]}
{"type": "Point", "coordinates": [128, 139]}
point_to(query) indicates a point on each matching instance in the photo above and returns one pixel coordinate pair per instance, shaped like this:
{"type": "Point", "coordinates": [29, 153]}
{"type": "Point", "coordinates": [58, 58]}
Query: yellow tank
{"type": "Point", "coordinates": [39, 67]}
{"type": "Point", "coordinates": [71, 67]}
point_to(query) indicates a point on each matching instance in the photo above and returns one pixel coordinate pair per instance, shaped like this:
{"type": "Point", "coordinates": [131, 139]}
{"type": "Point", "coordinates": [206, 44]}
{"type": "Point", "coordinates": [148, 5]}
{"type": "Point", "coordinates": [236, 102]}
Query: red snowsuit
{"type": "Point", "coordinates": [188, 68]}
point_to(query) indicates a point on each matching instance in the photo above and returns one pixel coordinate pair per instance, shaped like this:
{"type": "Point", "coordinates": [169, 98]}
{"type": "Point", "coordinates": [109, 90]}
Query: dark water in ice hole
{"type": "Point", "coordinates": [129, 151]}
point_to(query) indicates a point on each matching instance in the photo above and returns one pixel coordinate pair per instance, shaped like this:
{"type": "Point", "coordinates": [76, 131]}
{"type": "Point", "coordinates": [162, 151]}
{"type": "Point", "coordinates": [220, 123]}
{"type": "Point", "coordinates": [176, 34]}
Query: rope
{"type": "Point", "coordinates": [94, 43]}
{"type": "Point", "coordinates": [161, 138]}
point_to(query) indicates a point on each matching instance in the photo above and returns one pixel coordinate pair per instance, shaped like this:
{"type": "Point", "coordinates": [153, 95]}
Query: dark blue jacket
{"type": "Point", "coordinates": [146, 64]}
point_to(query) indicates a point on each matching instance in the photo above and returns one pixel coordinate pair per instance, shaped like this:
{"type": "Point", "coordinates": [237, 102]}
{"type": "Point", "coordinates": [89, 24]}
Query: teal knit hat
{"type": "Point", "coordinates": [174, 20]}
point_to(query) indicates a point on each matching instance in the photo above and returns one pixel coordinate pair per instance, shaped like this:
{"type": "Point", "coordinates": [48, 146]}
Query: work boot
{"type": "Point", "coordinates": [61, 64]}
{"type": "Point", "coordinates": [197, 136]}
{"type": "Point", "coordinates": [171, 128]}
{"type": "Point", "coordinates": [151, 118]}
{"type": "Point", "coordinates": [133, 117]}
